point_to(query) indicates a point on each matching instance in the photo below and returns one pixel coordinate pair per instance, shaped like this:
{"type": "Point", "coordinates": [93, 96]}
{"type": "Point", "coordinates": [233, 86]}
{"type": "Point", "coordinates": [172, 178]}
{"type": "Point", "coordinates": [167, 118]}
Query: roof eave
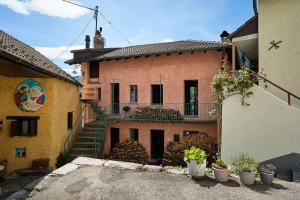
{"type": "Point", "coordinates": [102, 58]}
{"type": "Point", "coordinates": [13, 58]}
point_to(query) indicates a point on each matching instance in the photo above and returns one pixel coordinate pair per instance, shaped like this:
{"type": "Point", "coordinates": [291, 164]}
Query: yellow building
{"type": "Point", "coordinates": [39, 105]}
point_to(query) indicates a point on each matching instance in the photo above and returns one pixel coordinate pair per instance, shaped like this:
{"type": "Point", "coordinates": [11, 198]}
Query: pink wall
{"type": "Point", "coordinates": [145, 132]}
{"type": "Point", "coordinates": [146, 71]}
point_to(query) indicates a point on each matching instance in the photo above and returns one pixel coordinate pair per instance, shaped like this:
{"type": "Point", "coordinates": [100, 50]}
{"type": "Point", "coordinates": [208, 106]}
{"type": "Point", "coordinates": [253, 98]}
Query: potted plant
{"type": "Point", "coordinates": [246, 166]}
{"type": "Point", "coordinates": [196, 161]}
{"type": "Point", "coordinates": [267, 172]}
{"type": "Point", "coordinates": [221, 170]}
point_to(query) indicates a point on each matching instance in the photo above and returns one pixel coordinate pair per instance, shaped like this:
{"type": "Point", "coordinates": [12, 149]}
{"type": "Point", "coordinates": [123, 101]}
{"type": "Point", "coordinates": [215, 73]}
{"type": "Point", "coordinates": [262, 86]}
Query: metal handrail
{"type": "Point", "coordinates": [162, 112]}
{"type": "Point", "coordinates": [277, 86]}
{"type": "Point", "coordinates": [101, 125]}
{"type": "Point", "coordinates": [71, 132]}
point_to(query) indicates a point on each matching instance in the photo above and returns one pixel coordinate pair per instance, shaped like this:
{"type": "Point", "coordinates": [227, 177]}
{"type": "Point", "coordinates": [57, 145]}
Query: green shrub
{"type": "Point", "coordinates": [244, 162]}
{"type": "Point", "coordinates": [63, 158]}
{"type": "Point", "coordinates": [195, 154]}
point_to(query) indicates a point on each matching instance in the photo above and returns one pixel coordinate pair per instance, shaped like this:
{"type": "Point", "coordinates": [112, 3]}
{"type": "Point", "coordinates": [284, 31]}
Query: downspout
{"type": "Point", "coordinates": [255, 7]}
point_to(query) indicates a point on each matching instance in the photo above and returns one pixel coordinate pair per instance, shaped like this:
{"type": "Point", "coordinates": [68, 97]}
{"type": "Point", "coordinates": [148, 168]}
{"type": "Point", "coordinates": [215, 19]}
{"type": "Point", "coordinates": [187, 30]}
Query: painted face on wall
{"type": "Point", "coordinates": [29, 96]}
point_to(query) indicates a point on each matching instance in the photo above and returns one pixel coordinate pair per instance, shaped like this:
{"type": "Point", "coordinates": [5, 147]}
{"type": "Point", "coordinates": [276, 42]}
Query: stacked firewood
{"type": "Point", "coordinates": [174, 153]}
{"type": "Point", "coordinates": [157, 113]}
{"type": "Point", "coordinates": [130, 151]}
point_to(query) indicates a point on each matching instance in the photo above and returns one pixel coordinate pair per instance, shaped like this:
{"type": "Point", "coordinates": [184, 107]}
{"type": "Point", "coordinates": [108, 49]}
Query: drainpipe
{"type": "Point", "coordinates": [255, 6]}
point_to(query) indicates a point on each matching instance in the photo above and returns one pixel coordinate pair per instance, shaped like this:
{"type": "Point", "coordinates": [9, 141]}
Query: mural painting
{"type": "Point", "coordinates": [29, 96]}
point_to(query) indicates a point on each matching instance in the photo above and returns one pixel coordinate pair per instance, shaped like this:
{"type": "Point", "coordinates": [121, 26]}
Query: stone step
{"type": "Point", "coordinates": [80, 150]}
{"type": "Point", "coordinates": [84, 139]}
{"type": "Point", "coordinates": [84, 144]}
{"type": "Point", "coordinates": [94, 124]}
{"type": "Point", "coordinates": [91, 129]}
{"type": "Point", "coordinates": [75, 155]}
{"type": "Point", "coordinates": [90, 134]}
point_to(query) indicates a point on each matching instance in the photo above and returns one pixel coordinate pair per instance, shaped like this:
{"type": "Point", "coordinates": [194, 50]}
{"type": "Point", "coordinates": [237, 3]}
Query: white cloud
{"type": "Point", "coordinates": [54, 8]}
{"type": "Point", "coordinates": [53, 52]}
{"type": "Point", "coordinates": [167, 40]}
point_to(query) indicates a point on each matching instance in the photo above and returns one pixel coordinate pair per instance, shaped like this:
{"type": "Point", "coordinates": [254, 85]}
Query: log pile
{"type": "Point", "coordinates": [130, 151]}
{"type": "Point", "coordinates": [174, 152]}
{"type": "Point", "coordinates": [148, 112]}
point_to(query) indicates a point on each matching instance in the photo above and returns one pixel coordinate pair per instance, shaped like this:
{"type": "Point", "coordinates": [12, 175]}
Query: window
{"type": "Point", "coordinates": [99, 94]}
{"type": "Point", "coordinates": [157, 94]}
{"type": "Point", "coordinates": [134, 134]}
{"type": "Point", "coordinates": [70, 120]}
{"type": "Point", "coordinates": [176, 137]}
{"type": "Point", "coordinates": [133, 94]}
{"type": "Point", "coordinates": [94, 70]}
{"type": "Point", "coordinates": [26, 127]}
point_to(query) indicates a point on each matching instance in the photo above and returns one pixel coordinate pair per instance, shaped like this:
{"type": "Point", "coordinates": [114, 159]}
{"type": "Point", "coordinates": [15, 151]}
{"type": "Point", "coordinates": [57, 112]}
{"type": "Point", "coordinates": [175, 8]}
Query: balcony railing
{"type": "Point", "coordinates": [166, 112]}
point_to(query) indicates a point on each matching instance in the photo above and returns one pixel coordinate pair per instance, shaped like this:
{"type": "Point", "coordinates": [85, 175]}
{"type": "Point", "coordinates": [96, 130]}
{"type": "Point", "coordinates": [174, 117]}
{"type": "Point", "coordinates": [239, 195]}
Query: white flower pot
{"type": "Point", "coordinates": [221, 175]}
{"type": "Point", "coordinates": [247, 178]}
{"type": "Point", "coordinates": [197, 170]}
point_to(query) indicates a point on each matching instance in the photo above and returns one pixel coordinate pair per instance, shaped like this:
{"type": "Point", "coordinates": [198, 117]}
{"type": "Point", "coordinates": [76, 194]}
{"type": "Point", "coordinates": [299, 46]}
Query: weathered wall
{"type": "Point", "coordinates": [279, 21]}
{"type": "Point", "coordinates": [268, 128]}
{"type": "Point", "coordinates": [145, 132]}
{"type": "Point", "coordinates": [66, 99]}
{"type": "Point", "coordinates": [173, 69]}
{"type": "Point", "coordinates": [61, 97]}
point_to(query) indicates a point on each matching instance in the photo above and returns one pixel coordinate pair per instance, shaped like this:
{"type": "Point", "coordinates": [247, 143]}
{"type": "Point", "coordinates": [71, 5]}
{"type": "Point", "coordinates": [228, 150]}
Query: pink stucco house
{"type": "Point", "coordinates": [153, 93]}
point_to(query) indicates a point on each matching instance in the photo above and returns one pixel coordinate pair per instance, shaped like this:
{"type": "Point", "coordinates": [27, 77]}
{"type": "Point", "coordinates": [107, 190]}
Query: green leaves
{"type": "Point", "coordinates": [195, 154]}
{"type": "Point", "coordinates": [245, 162]}
{"type": "Point", "coordinates": [224, 85]}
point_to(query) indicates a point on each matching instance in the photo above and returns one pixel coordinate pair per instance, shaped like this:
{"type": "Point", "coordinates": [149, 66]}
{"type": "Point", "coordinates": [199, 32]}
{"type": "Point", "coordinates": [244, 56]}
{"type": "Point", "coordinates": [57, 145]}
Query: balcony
{"type": "Point", "coordinates": [167, 112]}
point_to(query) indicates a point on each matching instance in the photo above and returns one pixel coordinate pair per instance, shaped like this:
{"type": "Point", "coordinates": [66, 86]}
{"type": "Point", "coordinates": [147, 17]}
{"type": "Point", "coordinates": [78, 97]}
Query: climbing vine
{"type": "Point", "coordinates": [224, 85]}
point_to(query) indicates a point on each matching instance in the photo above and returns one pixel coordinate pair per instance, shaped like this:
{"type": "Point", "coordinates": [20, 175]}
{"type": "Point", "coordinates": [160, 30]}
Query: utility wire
{"type": "Point", "coordinates": [115, 28]}
{"type": "Point", "coordinates": [96, 12]}
{"type": "Point", "coordinates": [74, 39]}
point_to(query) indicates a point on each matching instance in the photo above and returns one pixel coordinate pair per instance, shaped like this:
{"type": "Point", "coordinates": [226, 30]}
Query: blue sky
{"type": "Point", "coordinates": [50, 26]}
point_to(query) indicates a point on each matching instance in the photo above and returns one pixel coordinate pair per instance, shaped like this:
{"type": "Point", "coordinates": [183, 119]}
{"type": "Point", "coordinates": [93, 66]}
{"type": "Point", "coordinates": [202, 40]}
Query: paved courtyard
{"type": "Point", "coordinates": [100, 182]}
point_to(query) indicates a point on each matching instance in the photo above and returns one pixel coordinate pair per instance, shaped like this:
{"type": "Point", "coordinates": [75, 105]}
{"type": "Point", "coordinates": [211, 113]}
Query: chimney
{"type": "Point", "coordinates": [99, 41]}
{"type": "Point", "coordinates": [225, 37]}
{"type": "Point", "coordinates": [87, 41]}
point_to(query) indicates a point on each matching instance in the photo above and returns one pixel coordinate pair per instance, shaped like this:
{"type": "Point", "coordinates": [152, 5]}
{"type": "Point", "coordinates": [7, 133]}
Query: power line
{"type": "Point", "coordinates": [74, 39]}
{"type": "Point", "coordinates": [96, 17]}
{"type": "Point", "coordinates": [115, 28]}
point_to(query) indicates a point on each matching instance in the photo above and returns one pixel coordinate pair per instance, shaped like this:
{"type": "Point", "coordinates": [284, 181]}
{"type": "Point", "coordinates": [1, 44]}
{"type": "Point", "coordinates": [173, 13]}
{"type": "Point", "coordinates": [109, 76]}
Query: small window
{"type": "Point", "coordinates": [133, 94]}
{"type": "Point", "coordinates": [94, 70]}
{"type": "Point", "coordinates": [134, 134]}
{"type": "Point", "coordinates": [24, 127]}
{"type": "Point", "coordinates": [99, 94]}
{"type": "Point", "coordinates": [70, 120]}
{"type": "Point", "coordinates": [157, 94]}
{"type": "Point", "coordinates": [176, 137]}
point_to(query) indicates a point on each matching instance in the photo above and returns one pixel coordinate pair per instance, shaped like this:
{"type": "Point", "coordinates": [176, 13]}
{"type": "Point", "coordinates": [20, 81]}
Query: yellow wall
{"type": "Point", "coordinates": [61, 97]}
{"type": "Point", "coordinates": [280, 20]}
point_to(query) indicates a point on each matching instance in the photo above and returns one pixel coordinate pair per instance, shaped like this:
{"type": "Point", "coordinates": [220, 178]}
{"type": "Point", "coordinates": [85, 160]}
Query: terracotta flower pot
{"type": "Point", "coordinates": [221, 174]}
{"type": "Point", "coordinates": [247, 178]}
{"type": "Point", "coordinates": [197, 170]}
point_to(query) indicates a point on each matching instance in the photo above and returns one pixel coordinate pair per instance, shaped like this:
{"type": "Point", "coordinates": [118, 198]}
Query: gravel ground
{"type": "Point", "coordinates": [91, 183]}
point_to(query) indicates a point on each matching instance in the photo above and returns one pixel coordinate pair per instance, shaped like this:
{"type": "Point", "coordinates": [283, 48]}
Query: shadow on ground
{"type": "Point", "coordinates": [209, 182]}
{"type": "Point", "coordinates": [263, 188]}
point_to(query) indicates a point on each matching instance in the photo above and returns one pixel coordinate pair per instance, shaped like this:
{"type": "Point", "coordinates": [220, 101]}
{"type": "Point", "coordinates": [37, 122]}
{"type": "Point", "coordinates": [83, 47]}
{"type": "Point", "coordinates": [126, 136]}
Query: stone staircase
{"type": "Point", "coordinates": [87, 143]}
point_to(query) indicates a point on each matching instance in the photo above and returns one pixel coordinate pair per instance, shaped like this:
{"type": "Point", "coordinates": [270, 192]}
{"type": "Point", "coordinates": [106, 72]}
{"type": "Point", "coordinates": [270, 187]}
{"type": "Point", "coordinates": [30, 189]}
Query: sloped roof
{"type": "Point", "coordinates": [166, 47]}
{"type": "Point", "coordinates": [249, 27]}
{"type": "Point", "coordinates": [37, 61]}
